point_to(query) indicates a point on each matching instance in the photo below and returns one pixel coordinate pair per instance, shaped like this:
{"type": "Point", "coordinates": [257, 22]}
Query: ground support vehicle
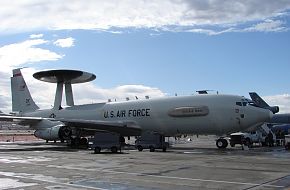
{"type": "Point", "coordinates": [151, 141]}
{"type": "Point", "coordinates": [105, 140]}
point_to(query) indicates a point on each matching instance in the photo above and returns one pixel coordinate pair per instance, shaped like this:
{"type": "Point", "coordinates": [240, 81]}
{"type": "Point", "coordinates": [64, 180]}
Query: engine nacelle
{"type": "Point", "coordinates": [274, 109]}
{"type": "Point", "coordinates": [59, 132]}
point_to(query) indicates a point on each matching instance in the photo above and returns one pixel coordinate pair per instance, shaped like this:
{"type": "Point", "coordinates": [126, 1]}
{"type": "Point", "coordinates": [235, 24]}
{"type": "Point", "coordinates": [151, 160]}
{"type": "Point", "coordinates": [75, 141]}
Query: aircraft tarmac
{"type": "Point", "coordinates": [187, 165]}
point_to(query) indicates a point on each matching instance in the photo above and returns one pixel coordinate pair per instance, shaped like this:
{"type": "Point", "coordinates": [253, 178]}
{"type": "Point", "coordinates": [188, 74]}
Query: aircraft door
{"type": "Point", "coordinates": [239, 113]}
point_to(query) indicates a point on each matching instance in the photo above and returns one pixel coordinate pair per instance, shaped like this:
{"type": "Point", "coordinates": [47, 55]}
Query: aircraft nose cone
{"type": "Point", "coordinates": [263, 115]}
{"type": "Point", "coordinates": [270, 115]}
{"type": "Point", "coordinates": [267, 116]}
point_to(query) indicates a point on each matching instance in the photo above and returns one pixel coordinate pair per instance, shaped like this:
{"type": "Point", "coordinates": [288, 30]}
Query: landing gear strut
{"type": "Point", "coordinates": [78, 142]}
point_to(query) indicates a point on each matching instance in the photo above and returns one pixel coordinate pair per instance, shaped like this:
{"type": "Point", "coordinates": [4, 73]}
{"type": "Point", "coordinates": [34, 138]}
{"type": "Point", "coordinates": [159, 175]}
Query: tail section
{"type": "Point", "coordinates": [21, 98]}
{"type": "Point", "coordinates": [262, 104]}
{"type": "Point", "coordinates": [258, 100]}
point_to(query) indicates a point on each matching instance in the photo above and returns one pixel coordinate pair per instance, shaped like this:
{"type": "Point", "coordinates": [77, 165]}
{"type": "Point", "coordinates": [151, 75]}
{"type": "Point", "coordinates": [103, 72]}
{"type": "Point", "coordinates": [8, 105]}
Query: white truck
{"type": "Point", "coordinates": [249, 138]}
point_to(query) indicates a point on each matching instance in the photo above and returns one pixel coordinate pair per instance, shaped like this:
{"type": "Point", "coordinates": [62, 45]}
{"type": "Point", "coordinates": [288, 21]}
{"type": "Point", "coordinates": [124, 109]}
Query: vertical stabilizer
{"type": "Point", "coordinates": [262, 104]}
{"type": "Point", "coordinates": [258, 100]}
{"type": "Point", "coordinates": [21, 98]}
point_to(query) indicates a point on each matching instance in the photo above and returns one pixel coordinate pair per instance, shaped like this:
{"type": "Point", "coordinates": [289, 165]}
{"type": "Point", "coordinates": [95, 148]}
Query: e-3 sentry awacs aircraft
{"type": "Point", "coordinates": [168, 116]}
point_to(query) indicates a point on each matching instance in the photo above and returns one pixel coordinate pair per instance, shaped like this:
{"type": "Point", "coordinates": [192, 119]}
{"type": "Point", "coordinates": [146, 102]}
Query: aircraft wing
{"type": "Point", "coordinates": [123, 128]}
{"type": "Point", "coordinates": [21, 120]}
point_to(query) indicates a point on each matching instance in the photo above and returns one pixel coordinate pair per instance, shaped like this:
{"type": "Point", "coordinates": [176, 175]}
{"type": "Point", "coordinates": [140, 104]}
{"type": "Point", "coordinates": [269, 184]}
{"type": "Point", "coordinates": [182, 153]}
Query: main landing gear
{"type": "Point", "coordinates": [222, 143]}
{"type": "Point", "coordinates": [77, 142]}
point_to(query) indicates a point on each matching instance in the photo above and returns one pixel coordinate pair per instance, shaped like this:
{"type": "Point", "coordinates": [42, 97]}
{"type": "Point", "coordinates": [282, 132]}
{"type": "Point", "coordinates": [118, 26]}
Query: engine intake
{"type": "Point", "coordinates": [59, 132]}
{"type": "Point", "coordinates": [274, 109]}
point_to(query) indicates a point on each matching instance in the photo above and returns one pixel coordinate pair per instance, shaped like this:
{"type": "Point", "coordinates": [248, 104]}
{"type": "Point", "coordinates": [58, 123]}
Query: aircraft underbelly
{"type": "Point", "coordinates": [173, 126]}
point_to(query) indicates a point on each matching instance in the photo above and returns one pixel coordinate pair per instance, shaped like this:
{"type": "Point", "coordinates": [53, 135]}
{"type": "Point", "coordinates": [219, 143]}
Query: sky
{"type": "Point", "coordinates": [148, 48]}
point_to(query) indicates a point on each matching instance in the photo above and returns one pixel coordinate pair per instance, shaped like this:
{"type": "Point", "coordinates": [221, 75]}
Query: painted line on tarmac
{"type": "Point", "coordinates": [166, 177]}
{"type": "Point", "coordinates": [21, 176]}
{"type": "Point", "coordinates": [195, 179]}
{"type": "Point", "coordinates": [173, 177]}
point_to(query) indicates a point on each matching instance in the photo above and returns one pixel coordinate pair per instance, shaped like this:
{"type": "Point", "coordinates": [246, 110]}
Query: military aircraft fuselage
{"type": "Point", "coordinates": [197, 114]}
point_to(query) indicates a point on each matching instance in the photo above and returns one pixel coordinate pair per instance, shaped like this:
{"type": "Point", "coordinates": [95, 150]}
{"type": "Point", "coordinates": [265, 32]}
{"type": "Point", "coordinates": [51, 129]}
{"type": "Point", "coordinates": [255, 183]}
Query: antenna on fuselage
{"type": "Point", "coordinates": [64, 78]}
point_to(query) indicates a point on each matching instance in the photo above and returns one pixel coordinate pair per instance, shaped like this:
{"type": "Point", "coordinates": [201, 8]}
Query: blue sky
{"type": "Point", "coordinates": [161, 48]}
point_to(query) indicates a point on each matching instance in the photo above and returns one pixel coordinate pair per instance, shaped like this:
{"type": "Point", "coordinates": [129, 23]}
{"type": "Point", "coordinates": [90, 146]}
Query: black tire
{"type": "Point", "coordinates": [97, 150]}
{"type": "Point", "coordinates": [232, 144]}
{"type": "Point", "coordinates": [83, 141]}
{"type": "Point", "coordinates": [248, 142]}
{"type": "Point", "coordinates": [222, 143]}
{"type": "Point", "coordinates": [75, 142]}
{"type": "Point", "coordinates": [140, 148]}
{"type": "Point", "coordinates": [114, 149]}
{"type": "Point", "coordinates": [152, 149]}
{"type": "Point", "coordinates": [164, 149]}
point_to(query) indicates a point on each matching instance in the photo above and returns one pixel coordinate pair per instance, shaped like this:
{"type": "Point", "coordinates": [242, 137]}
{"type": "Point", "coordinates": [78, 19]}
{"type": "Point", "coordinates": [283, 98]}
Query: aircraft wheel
{"type": "Point", "coordinates": [83, 141]}
{"type": "Point", "coordinates": [164, 149]}
{"type": "Point", "coordinates": [248, 142]}
{"type": "Point", "coordinates": [75, 142]}
{"type": "Point", "coordinates": [140, 148]}
{"type": "Point", "coordinates": [97, 150]}
{"type": "Point", "coordinates": [114, 149]}
{"type": "Point", "coordinates": [152, 149]}
{"type": "Point", "coordinates": [221, 143]}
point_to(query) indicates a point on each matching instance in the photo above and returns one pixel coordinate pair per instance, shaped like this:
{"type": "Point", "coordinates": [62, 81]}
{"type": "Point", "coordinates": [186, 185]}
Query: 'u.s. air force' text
{"type": "Point", "coordinates": [127, 113]}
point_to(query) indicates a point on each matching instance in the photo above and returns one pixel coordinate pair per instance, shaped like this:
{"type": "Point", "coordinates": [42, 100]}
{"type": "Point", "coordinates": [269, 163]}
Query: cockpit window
{"type": "Point", "coordinates": [251, 103]}
{"type": "Point", "coordinates": [246, 102]}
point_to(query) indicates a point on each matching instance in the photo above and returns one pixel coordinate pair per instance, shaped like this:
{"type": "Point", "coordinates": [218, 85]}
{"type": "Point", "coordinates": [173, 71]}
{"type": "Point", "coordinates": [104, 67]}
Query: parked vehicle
{"type": "Point", "coordinates": [249, 138]}
{"type": "Point", "coordinates": [151, 141]}
{"type": "Point", "coordinates": [105, 140]}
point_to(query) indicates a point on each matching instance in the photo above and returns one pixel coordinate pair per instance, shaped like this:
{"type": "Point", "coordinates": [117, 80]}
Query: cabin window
{"type": "Point", "coordinates": [239, 103]}
{"type": "Point", "coordinates": [245, 103]}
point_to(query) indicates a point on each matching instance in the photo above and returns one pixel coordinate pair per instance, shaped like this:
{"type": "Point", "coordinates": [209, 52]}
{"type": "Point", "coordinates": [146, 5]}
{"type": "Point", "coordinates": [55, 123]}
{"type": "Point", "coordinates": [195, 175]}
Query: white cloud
{"type": "Point", "coordinates": [268, 26]}
{"type": "Point", "coordinates": [283, 101]}
{"type": "Point", "coordinates": [87, 93]}
{"type": "Point", "coordinates": [17, 54]}
{"type": "Point", "coordinates": [32, 15]}
{"type": "Point", "coordinates": [36, 36]}
{"type": "Point", "coordinates": [64, 43]}
{"type": "Point", "coordinates": [43, 93]}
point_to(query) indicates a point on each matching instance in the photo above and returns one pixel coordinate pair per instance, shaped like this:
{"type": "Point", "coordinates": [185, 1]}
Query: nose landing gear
{"type": "Point", "coordinates": [222, 143]}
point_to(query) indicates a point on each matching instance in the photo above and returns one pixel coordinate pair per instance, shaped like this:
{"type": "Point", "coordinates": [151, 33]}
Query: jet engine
{"type": "Point", "coordinates": [274, 109]}
{"type": "Point", "coordinates": [59, 132]}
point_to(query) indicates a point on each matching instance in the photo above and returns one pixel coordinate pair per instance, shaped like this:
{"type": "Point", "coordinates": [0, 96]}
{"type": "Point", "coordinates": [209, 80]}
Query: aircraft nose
{"type": "Point", "coordinates": [270, 115]}
{"type": "Point", "coordinates": [266, 115]}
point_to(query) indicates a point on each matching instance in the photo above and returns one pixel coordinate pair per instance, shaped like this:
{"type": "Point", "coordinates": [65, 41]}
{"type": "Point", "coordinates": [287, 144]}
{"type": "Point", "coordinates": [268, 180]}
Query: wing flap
{"type": "Point", "coordinates": [123, 128]}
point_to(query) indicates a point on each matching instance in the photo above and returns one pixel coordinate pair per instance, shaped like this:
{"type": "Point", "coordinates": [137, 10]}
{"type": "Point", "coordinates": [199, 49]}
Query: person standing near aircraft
{"type": "Point", "coordinates": [270, 139]}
